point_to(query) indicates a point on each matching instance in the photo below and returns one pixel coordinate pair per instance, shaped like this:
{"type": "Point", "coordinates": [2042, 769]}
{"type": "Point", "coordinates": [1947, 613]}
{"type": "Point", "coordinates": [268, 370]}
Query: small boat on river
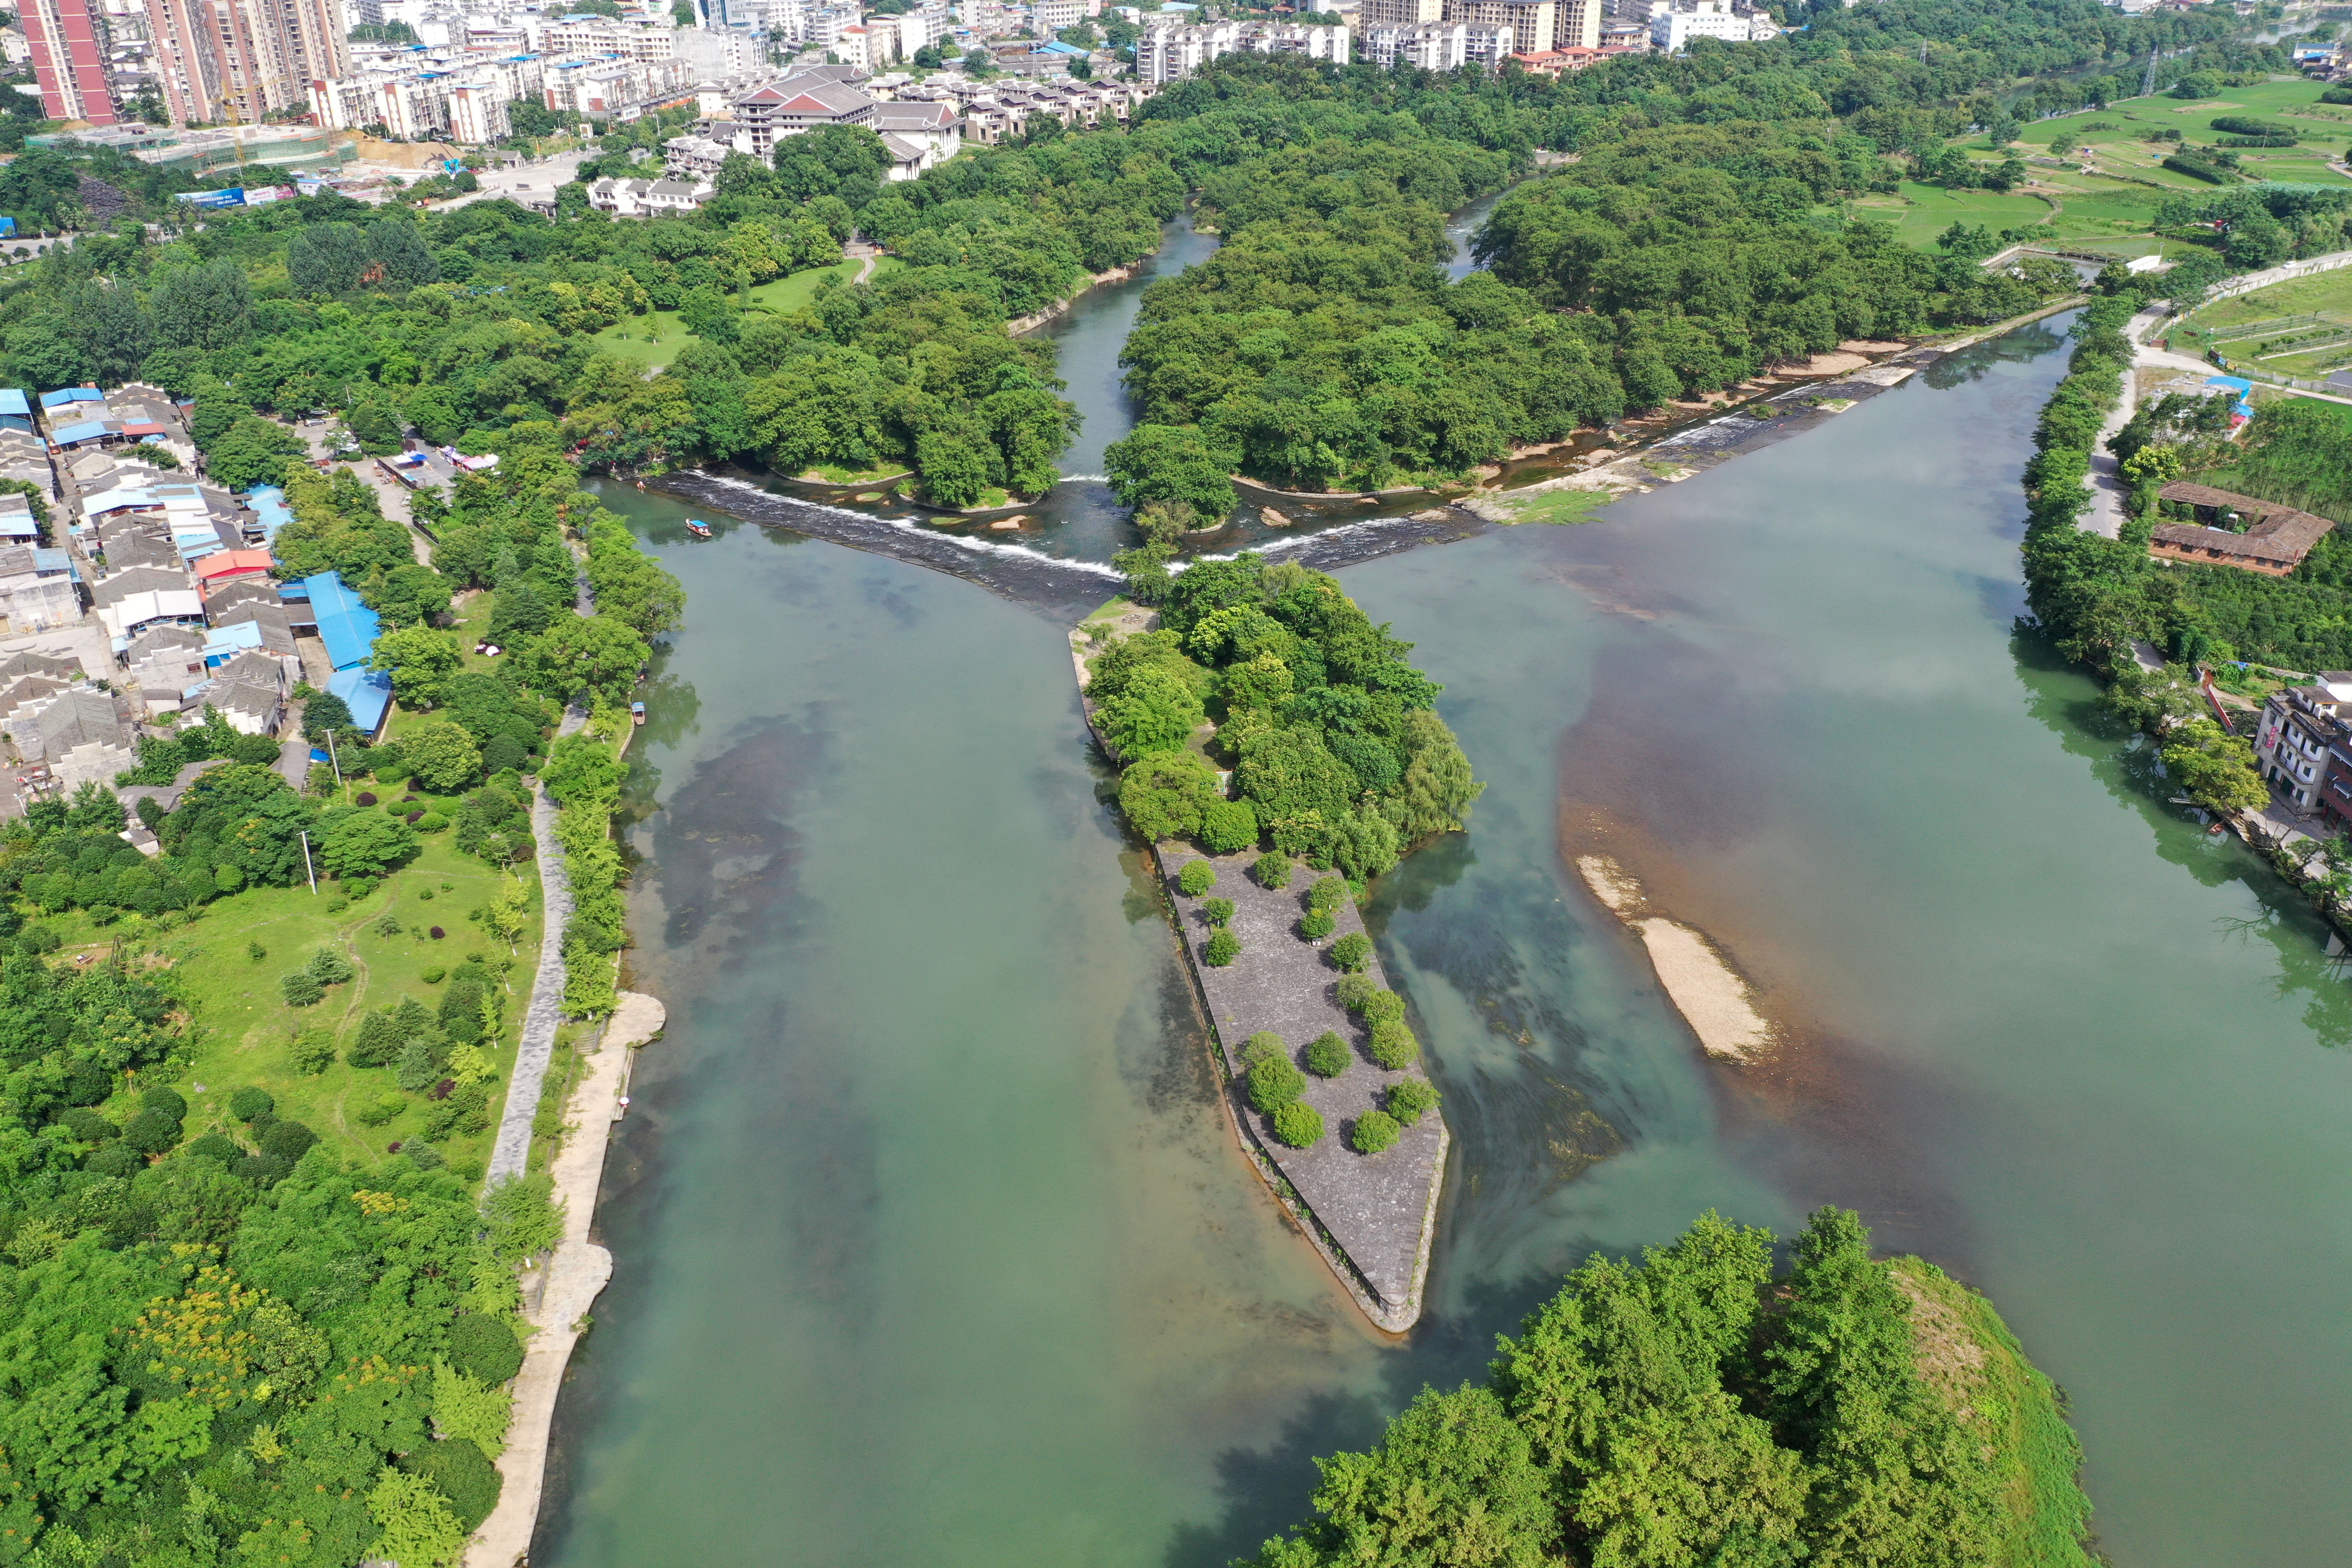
{"type": "Point", "coordinates": [637, 712]}
{"type": "Point", "coordinates": [697, 527]}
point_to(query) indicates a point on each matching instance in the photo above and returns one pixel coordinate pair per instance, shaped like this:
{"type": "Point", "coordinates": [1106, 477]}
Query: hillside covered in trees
{"type": "Point", "coordinates": [1695, 1407]}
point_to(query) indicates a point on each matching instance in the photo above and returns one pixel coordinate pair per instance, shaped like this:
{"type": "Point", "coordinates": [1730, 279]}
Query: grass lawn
{"type": "Point", "coordinates": [655, 339]}
{"type": "Point", "coordinates": [1926, 211]}
{"type": "Point", "coordinates": [243, 1030]}
{"type": "Point", "coordinates": [2116, 133]}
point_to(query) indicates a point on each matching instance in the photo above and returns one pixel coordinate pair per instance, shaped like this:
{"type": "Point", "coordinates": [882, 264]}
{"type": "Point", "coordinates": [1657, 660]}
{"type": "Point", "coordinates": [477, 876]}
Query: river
{"type": "Point", "coordinates": [932, 1246]}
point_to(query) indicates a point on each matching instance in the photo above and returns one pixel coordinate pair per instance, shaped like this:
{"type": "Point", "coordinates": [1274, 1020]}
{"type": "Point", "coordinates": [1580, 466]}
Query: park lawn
{"type": "Point", "coordinates": [1929, 210]}
{"type": "Point", "coordinates": [243, 1031]}
{"type": "Point", "coordinates": [655, 339]}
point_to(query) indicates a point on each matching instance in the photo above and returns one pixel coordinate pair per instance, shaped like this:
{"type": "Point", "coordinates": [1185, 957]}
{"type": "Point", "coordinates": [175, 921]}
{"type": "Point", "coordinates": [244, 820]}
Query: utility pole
{"type": "Point", "coordinates": [307, 869]}
{"type": "Point", "coordinates": [338, 767]}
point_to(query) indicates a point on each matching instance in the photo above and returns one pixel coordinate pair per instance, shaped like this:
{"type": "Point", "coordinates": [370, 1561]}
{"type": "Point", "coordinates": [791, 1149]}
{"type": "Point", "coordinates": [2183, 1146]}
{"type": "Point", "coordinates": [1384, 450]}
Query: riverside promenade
{"type": "Point", "coordinates": [557, 1296]}
{"type": "Point", "coordinates": [1372, 1217]}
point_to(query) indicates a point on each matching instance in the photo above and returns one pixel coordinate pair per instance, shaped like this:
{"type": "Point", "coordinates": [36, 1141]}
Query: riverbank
{"type": "Point", "coordinates": [558, 1294]}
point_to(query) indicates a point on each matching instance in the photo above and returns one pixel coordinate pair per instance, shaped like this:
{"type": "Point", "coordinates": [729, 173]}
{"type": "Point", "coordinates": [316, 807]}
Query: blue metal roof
{"type": "Point", "coordinates": [88, 430]}
{"type": "Point", "coordinates": [224, 643]}
{"type": "Point", "coordinates": [347, 626]}
{"type": "Point", "coordinates": [11, 401]}
{"type": "Point", "coordinates": [66, 395]}
{"type": "Point", "coordinates": [367, 693]}
{"type": "Point", "coordinates": [269, 506]}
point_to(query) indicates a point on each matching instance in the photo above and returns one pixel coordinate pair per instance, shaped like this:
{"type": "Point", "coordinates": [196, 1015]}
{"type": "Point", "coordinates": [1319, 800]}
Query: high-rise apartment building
{"type": "Point", "coordinates": [1403, 14]}
{"type": "Point", "coordinates": [238, 61]}
{"type": "Point", "coordinates": [67, 60]}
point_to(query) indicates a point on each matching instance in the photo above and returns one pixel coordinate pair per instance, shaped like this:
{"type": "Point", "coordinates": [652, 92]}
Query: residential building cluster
{"type": "Point", "coordinates": [921, 124]}
{"type": "Point", "coordinates": [1166, 53]}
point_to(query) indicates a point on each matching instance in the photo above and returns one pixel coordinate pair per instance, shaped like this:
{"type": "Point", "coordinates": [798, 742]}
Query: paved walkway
{"type": "Point", "coordinates": [511, 1152]}
{"type": "Point", "coordinates": [567, 1286]}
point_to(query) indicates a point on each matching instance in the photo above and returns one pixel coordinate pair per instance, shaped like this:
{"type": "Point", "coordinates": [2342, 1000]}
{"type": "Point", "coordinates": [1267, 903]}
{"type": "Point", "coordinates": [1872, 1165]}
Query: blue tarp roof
{"type": "Point", "coordinates": [368, 694]}
{"type": "Point", "coordinates": [88, 430]}
{"type": "Point", "coordinates": [1058, 47]}
{"type": "Point", "coordinates": [2236, 383]}
{"type": "Point", "coordinates": [348, 627]}
{"type": "Point", "coordinates": [66, 395]}
{"type": "Point", "coordinates": [11, 401]}
{"type": "Point", "coordinates": [56, 561]}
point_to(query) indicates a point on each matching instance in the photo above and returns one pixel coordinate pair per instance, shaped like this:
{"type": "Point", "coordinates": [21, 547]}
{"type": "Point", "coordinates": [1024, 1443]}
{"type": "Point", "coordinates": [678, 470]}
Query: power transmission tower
{"type": "Point", "coordinates": [2147, 82]}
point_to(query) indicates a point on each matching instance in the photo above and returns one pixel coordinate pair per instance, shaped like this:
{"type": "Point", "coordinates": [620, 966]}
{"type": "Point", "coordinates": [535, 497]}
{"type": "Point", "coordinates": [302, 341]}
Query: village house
{"type": "Point", "coordinates": [2274, 541]}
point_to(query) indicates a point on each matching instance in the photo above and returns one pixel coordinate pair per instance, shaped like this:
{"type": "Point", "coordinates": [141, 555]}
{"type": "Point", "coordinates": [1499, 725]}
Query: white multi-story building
{"type": "Point", "coordinates": [602, 36]}
{"type": "Point", "coordinates": [1163, 54]}
{"type": "Point", "coordinates": [1426, 45]}
{"type": "Point", "coordinates": [1050, 16]}
{"type": "Point", "coordinates": [1671, 30]}
{"type": "Point", "coordinates": [1486, 45]}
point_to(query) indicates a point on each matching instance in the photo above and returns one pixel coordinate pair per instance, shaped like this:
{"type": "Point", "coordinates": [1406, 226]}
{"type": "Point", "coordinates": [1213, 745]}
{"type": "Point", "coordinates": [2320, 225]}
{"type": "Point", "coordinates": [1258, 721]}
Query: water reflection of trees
{"type": "Point", "coordinates": [1976, 362]}
{"type": "Point", "coordinates": [2066, 701]}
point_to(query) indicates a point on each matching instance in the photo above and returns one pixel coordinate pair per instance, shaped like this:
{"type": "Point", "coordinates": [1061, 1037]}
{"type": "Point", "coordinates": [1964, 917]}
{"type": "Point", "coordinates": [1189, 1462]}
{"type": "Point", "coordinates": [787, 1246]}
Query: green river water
{"type": "Point", "coordinates": [932, 1244]}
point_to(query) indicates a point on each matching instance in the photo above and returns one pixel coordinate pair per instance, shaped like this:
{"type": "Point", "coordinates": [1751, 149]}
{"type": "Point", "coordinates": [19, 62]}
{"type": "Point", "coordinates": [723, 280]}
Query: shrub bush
{"type": "Point", "coordinates": [1265, 1043]}
{"type": "Point", "coordinates": [1393, 1044]}
{"type": "Point", "coordinates": [1409, 1099]}
{"type": "Point", "coordinates": [1224, 947]}
{"type": "Point", "coordinates": [288, 1140]}
{"type": "Point", "coordinates": [1328, 894]}
{"type": "Point", "coordinates": [329, 967]}
{"type": "Point", "coordinates": [1228, 826]}
{"type": "Point", "coordinates": [462, 1473]}
{"type": "Point", "coordinates": [480, 1346]}
{"type": "Point", "coordinates": [1328, 1056]}
{"type": "Point", "coordinates": [436, 933]}
{"type": "Point", "coordinates": [166, 1102]}
{"type": "Point", "coordinates": [1273, 1081]}
{"type": "Point", "coordinates": [434, 974]}
{"type": "Point", "coordinates": [116, 1159]}
{"type": "Point", "coordinates": [1298, 1124]}
{"type": "Point", "coordinates": [151, 1132]}
{"type": "Point", "coordinates": [1272, 871]}
{"type": "Point", "coordinates": [1380, 1006]}
{"type": "Point", "coordinates": [88, 1126]}
{"type": "Point", "coordinates": [314, 1050]}
{"type": "Point", "coordinates": [250, 1101]}
{"type": "Point", "coordinates": [384, 1108]}
{"type": "Point", "coordinates": [255, 951]}
{"type": "Point", "coordinates": [1352, 989]}
{"type": "Point", "coordinates": [1197, 877]}
{"type": "Point", "coordinates": [1218, 911]}
{"type": "Point", "coordinates": [364, 798]}
{"type": "Point", "coordinates": [1315, 925]}
{"type": "Point", "coordinates": [302, 989]}
{"type": "Point", "coordinates": [1353, 952]}
{"type": "Point", "coordinates": [1374, 1131]}
{"type": "Point", "coordinates": [217, 1147]}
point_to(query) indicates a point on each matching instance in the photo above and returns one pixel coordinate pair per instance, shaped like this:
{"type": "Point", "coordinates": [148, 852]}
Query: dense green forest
{"type": "Point", "coordinates": [1695, 1407]}
{"type": "Point", "coordinates": [1321, 345]}
{"type": "Point", "coordinates": [1336, 748]}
